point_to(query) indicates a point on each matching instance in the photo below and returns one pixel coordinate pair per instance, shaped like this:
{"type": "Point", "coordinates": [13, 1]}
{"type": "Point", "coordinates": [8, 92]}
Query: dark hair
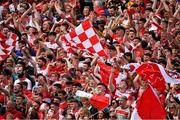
{"type": "Point", "coordinates": [147, 54]}
{"type": "Point", "coordinates": [58, 85]}
{"type": "Point", "coordinates": [177, 33]}
{"type": "Point", "coordinates": [138, 38]}
{"type": "Point", "coordinates": [143, 20]}
{"type": "Point", "coordinates": [150, 9]}
{"type": "Point", "coordinates": [102, 85]}
{"type": "Point", "coordinates": [144, 44]}
{"type": "Point", "coordinates": [128, 54]}
{"type": "Point", "coordinates": [51, 34]}
{"type": "Point", "coordinates": [21, 85]}
{"type": "Point", "coordinates": [77, 85]}
{"type": "Point", "coordinates": [34, 115]}
{"type": "Point", "coordinates": [24, 83]}
{"type": "Point", "coordinates": [120, 28]}
{"type": "Point", "coordinates": [43, 59]}
{"type": "Point", "coordinates": [22, 96]}
{"type": "Point", "coordinates": [62, 92]}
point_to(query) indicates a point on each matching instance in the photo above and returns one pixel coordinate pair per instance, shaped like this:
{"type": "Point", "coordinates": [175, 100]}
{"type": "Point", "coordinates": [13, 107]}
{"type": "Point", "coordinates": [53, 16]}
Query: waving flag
{"type": "Point", "coordinates": [85, 37]}
{"type": "Point", "coordinates": [148, 106]}
{"type": "Point", "coordinates": [157, 75]}
{"type": "Point", "coordinates": [6, 45]}
{"type": "Point", "coordinates": [105, 71]}
{"type": "Point", "coordinates": [99, 102]}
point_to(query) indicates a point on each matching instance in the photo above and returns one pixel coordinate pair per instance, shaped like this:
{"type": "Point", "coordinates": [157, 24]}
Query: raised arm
{"type": "Point", "coordinates": [111, 87]}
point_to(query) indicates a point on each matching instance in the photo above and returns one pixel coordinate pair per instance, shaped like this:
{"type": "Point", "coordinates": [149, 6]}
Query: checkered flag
{"type": "Point", "coordinates": [85, 37]}
{"type": "Point", "coordinates": [6, 45]}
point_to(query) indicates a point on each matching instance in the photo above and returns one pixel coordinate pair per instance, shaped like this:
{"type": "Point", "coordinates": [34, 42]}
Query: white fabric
{"type": "Point", "coordinates": [135, 115]}
{"type": "Point", "coordinates": [167, 78]}
{"type": "Point", "coordinates": [83, 94]}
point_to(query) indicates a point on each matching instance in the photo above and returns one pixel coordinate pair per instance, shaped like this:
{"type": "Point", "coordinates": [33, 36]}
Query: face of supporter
{"type": "Point", "coordinates": [68, 8]}
{"type": "Point", "coordinates": [111, 11]}
{"type": "Point", "coordinates": [35, 106]}
{"type": "Point", "coordinates": [86, 11]}
{"type": "Point", "coordinates": [85, 102]}
{"type": "Point", "coordinates": [51, 38]}
{"type": "Point", "coordinates": [146, 14]}
{"type": "Point", "coordinates": [17, 88]}
{"type": "Point", "coordinates": [54, 107]}
{"type": "Point", "coordinates": [120, 32]}
{"type": "Point", "coordinates": [5, 31]}
{"type": "Point", "coordinates": [73, 105]}
{"type": "Point", "coordinates": [54, 77]}
{"type": "Point", "coordinates": [100, 90]}
{"type": "Point", "coordinates": [31, 30]}
{"type": "Point", "coordinates": [135, 41]}
{"type": "Point", "coordinates": [45, 26]}
{"type": "Point", "coordinates": [19, 100]}
{"type": "Point", "coordinates": [81, 113]}
{"type": "Point", "coordinates": [122, 102]}
{"type": "Point", "coordinates": [141, 24]}
{"type": "Point", "coordinates": [61, 96]}
{"type": "Point", "coordinates": [100, 114]}
{"type": "Point", "coordinates": [22, 10]}
{"type": "Point", "coordinates": [122, 86]}
{"type": "Point", "coordinates": [10, 106]}
{"type": "Point", "coordinates": [37, 98]}
{"type": "Point", "coordinates": [19, 68]}
{"type": "Point", "coordinates": [131, 35]}
{"type": "Point", "coordinates": [177, 37]}
{"type": "Point", "coordinates": [40, 63]}
{"type": "Point", "coordinates": [2, 78]}
{"type": "Point", "coordinates": [147, 58]}
{"type": "Point", "coordinates": [58, 30]}
{"type": "Point", "coordinates": [143, 83]}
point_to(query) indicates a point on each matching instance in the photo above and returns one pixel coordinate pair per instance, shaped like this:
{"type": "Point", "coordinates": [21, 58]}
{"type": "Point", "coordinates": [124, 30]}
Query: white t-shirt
{"type": "Point", "coordinates": [29, 86]}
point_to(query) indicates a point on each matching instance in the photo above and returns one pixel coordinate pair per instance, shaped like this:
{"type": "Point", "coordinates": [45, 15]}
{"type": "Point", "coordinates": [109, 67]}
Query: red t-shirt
{"type": "Point", "coordinates": [16, 114]}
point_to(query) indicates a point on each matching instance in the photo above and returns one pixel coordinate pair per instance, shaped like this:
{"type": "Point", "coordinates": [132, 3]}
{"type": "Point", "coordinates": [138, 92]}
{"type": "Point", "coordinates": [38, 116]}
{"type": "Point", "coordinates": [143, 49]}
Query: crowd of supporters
{"type": "Point", "coordinates": [41, 75]}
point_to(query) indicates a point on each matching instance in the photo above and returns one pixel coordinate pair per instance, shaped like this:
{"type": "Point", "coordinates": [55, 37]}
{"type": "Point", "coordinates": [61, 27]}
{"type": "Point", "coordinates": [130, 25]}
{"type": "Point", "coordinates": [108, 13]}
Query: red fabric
{"type": "Point", "coordinates": [1, 98]}
{"type": "Point", "coordinates": [40, 115]}
{"type": "Point", "coordinates": [105, 71]}
{"type": "Point", "coordinates": [16, 114]}
{"type": "Point", "coordinates": [149, 107]}
{"type": "Point", "coordinates": [28, 94]}
{"type": "Point", "coordinates": [150, 72]}
{"type": "Point", "coordinates": [122, 112]}
{"type": "Point", "coordinates": [99, 102]}
{"type": "Point", "coordinates": [63, 105]}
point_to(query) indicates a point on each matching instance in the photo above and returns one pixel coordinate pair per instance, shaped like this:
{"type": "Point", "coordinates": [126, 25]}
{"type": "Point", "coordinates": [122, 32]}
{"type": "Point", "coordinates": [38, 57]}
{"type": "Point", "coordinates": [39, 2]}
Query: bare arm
{"type": "Point", "coordinates": [165, 5]}
{"type": "Point", "coordinates": [111, 87]}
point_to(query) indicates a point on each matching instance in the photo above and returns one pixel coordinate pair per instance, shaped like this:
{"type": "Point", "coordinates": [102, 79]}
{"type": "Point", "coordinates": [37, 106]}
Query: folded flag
{"type": "Point", "coordinates": [6, 45]}
{"type": "Point", "coordinates": [148, 106]}
{"type": "Point", "coordinates": [85, 37]}
{"type": "Point", "coordinates": [157, 75]}
{"type": "Point", "coordinates": [99, 102]}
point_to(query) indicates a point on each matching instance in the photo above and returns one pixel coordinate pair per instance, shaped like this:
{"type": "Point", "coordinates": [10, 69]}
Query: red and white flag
{"type": "Point", "coordinates": [6, 45]}
{"type": "Point", "coordinates": [155, 27]}
{"type": "Point", "coordinates": [99, 102]}
{"type": "Point", "coordinates": [85, 37]}
{"type": "Point", "coordinates": [148, 106]}
{"type": "Point", "coordinates": [157, 75]}
{"type": "Point", "coordinates": [105, 71]}
{"type": "Point", "coordinates": [131, 67]}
